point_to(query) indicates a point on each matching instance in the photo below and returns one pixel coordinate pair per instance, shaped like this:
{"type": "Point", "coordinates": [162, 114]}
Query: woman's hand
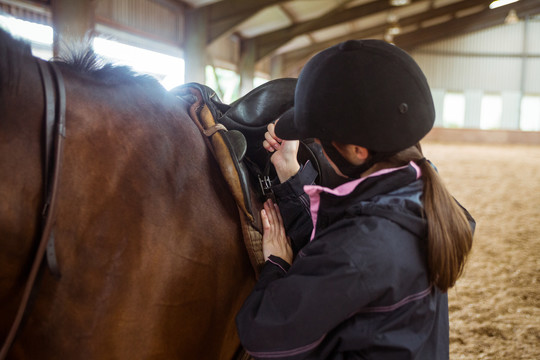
{"type": "Point", "coordinates": [285, 152]}
{"type": "Point", "coordinates": [275, 241]}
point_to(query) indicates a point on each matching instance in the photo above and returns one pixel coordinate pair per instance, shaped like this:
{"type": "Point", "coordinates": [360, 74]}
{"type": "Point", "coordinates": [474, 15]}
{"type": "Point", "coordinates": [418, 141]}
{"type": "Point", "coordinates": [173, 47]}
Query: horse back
{"type": "Point", "coordinates": [146, 232]}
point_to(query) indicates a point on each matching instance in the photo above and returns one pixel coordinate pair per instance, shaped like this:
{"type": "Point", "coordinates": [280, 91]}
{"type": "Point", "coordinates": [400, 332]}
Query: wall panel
{"type": "Point", "coordinates": [496, 40]}
{"type": "Point", "coordinates": [458, 73]}
{"type": "Point", "coordinates": [143, 17]}
{"type": "Point", "coordinates": [532, 77]}
{"type": "Point", "coordinates": [502, 58]}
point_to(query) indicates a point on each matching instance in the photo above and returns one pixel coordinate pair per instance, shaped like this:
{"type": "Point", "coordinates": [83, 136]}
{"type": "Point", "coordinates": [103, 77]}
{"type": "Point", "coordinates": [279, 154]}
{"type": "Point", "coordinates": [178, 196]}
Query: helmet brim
{"type": "Point", "coordinates": [288, 129]}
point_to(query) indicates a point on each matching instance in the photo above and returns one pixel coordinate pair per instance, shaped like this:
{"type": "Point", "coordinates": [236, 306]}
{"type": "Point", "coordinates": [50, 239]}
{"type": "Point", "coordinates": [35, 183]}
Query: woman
{"type": "Point", "coordinates": [373, 264]}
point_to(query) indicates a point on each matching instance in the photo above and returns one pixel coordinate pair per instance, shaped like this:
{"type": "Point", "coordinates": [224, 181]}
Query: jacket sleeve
{"type": "Point", "coordinates": [294, 206]}
{"type": "Point", "coordinates": [288, 316]}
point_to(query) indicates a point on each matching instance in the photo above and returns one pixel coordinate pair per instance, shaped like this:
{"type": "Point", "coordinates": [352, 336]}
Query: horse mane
{"type": "Point", "coordinates": [81, 59]}
{"type": "Point", "coordinates": [12, 51]}
{"type": "Point", "coordinates": [10, 45]}
{"type": "Point", "coordinates": [86, 62]}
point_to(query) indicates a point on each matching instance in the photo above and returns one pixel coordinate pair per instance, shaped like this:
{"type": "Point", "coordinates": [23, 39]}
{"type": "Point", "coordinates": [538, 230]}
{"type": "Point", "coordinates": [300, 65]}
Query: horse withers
{"type": "Point", "coordinates": [147, 234]}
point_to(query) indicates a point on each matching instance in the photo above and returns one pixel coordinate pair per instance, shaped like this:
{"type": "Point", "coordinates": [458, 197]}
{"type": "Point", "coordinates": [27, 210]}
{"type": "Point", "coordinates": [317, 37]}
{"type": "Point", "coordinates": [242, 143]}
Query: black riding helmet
{"type": "Point", "coordinates": [362, 92]}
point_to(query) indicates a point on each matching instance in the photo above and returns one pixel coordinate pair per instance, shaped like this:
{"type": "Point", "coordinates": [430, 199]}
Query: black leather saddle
{"type": "Point", "coordinates": [246, 121]}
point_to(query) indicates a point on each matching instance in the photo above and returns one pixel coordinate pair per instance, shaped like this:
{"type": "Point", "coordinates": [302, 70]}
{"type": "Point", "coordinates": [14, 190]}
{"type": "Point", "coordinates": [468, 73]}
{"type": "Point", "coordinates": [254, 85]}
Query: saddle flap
{"type": "Point", "coordinates": [237, 142]}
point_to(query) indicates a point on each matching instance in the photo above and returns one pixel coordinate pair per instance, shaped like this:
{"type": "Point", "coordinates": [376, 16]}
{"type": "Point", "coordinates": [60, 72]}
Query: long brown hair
{"type": "Point", "coordinates": [449, 232]}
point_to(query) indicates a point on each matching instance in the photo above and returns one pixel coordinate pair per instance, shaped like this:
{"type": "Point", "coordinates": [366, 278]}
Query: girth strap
{"type": "Point", "coordinates": [55, 108]}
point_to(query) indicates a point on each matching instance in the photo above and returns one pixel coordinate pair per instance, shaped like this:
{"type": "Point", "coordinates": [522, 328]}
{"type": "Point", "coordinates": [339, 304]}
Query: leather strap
{"type": "Point", "coordinates": [212, 130]}
{"type": "Point", "coordinates": [55, 108]}
{"type": "Point", "coordinates": [57, 134]}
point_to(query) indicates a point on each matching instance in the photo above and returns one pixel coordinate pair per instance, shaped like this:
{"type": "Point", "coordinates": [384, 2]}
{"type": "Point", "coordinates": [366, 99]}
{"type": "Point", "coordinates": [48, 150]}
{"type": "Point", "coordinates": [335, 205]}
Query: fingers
{"type": "Point", "coordinates": [271, 218]}
{"type": "Point", "coordinates": [268, 214]}
{"type": "Point", "coordinates": [275, 241]}
{"type": "Point", "coordinates": [278, 215]}
{"type": "Point", "coordinates": [267, 217]}
{"type": "Point", "coordinates": [267, 146]}
{"type": "Point", "coordinates": [271, 141]}
{"type": "Point", "coordinates": [265, 222]}
{"type": "Point", "coordinates": [270, 211]}
{"type": "Point", "coordinates": [271, 130]}
{"type": "Point", "coordinates": [273, 210]}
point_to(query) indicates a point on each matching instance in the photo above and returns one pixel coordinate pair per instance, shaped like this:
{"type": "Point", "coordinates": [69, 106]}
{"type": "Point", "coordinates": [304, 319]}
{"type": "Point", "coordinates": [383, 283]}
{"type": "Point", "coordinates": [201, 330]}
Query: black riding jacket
{"type": "Point", "coordinates": [359, 288]}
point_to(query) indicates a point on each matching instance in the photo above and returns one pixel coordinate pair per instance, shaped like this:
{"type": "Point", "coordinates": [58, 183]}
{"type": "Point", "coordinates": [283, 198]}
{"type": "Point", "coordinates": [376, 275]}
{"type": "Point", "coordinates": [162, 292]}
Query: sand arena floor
{"type": "Point", "coordinates": [495, 306]}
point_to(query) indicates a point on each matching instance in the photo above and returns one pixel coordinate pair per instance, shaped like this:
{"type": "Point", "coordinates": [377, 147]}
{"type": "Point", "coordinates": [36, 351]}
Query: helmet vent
{"type": "Point", "coordinates": [403, 107]}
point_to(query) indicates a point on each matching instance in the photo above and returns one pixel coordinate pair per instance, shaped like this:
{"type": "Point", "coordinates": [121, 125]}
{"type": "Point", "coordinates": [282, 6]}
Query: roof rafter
{"type": "Point", "coordinates": [467, 24]}
{"type": "Point", "coordinates": [301, 54]}
{"type": "Point", "coordinates": [224, 15]}
{"type": "Point", "coordinates": [269, 42]}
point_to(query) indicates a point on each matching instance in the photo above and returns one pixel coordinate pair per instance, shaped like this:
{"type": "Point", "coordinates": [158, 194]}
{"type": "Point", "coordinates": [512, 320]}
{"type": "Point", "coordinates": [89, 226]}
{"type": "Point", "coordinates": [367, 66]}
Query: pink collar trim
{"type": "Point", "coordinates": [314, 191]}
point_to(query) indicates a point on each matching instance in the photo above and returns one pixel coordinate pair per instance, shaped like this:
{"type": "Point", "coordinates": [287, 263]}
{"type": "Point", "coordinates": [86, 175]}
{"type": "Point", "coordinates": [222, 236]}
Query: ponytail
{"type": "Point", "coordinates": [449, 236]}
{"type": "Point", "coordinates": [449, 232]}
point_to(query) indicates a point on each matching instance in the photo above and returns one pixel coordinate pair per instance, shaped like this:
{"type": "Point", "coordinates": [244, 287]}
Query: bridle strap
{"type": "Point", "coordinates": [57, 134]}
{"type": "Point", "coordinates": [55, 124]}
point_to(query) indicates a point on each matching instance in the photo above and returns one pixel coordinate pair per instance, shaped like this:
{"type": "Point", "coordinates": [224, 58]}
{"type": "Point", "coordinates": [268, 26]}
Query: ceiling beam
{"type": "Point", "coordinates": [172, 5]}
{"type": "Point", "coordinates": [467, 24]}
{"type": "Point", "coordinates": [269, 42]}
{"type": "Point", "coordinates": [379, 31]}
{"type": "Point", "coordinates": [224, 16]}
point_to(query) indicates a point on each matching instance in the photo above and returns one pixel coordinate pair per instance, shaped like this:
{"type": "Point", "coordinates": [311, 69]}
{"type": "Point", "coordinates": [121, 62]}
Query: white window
{"type": "Point", "coordinates": [224, 82]}
{"type": "Point", "coordinates": [454, 110]}
{"type": "Point", "coordinates": [40, 37]}
{"type": "Point", "coordinates": [258, 81]}
{"type": "Point", "coordinates": [169, 70]}
{"type": "Point", "coordinates": [530, 113]}
{"type": "Point", "coordinates": [491, 112]}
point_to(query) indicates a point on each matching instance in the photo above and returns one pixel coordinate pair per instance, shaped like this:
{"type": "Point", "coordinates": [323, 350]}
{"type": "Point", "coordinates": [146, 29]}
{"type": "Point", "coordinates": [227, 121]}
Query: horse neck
{"type": "Point", "coordinates": [20, 144]}
{"type": "Point", "coordinates": [21, 169]}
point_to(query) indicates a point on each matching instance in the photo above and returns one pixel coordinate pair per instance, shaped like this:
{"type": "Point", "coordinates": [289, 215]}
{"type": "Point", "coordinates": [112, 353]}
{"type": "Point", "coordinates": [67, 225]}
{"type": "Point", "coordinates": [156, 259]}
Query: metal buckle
{"type": "Point", "coordinates": [266, 185]}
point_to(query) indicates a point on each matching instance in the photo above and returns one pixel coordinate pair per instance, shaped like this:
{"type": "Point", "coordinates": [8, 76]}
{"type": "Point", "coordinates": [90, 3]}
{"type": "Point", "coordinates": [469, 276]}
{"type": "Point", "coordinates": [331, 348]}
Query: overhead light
{"type": "Point", "coordinates": [394, 28]}
{"type": "Point", "coordinates": [389, 38]}
{"type": "Point", "coordinates": [392, 18]}
{"type": "Point", "coordinates": [511, 18]}
{"type": "Point", "coordinates": [393, 22]}
{"type": "Point", "coordinates": [399, 2]}
{"type": "Point", "coordinates": [498, 3]}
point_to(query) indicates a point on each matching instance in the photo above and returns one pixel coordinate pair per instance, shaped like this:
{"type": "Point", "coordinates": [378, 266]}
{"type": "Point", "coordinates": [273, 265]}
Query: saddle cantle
{"type": "Point", "coordinates": [235, 134]}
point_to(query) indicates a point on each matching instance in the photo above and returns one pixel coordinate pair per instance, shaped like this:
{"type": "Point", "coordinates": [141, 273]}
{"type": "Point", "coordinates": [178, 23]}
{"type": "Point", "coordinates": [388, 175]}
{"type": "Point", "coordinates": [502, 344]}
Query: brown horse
{"type": "Point", "coordinates": [147, 234]}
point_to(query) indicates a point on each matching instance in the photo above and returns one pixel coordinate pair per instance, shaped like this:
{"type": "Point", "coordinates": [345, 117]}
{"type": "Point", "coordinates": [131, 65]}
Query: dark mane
{"type": "Point", "coordinates": [11, 46]}
{"type": "Point", "coordinates": [12, 51]}
{"type": "Point", "coordinates": [82, 60]}
{"type": "Point", "coordinates": [87, 62]}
